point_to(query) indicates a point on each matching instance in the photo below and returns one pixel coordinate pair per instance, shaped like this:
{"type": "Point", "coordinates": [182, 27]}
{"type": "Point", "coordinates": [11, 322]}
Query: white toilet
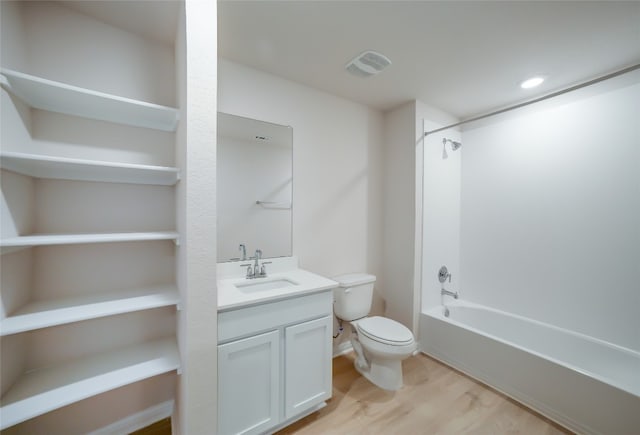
{"type": "Point", "coordinates": [380, 344]}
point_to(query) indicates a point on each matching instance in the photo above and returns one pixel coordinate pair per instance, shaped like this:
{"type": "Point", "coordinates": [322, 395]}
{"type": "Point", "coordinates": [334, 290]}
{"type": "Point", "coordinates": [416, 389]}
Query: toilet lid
{"type": "Point", "coordinates": [385, 330]}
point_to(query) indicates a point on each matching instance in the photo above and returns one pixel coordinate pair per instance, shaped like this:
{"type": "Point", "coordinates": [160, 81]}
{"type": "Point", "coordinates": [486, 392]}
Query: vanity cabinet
{"type": "Point", "coordinates": [274, 363]}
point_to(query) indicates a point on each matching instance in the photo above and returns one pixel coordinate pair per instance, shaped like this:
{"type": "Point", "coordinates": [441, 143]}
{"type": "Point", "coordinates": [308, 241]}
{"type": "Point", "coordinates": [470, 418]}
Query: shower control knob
{"type": "Point", "coordinates": [443, 274]}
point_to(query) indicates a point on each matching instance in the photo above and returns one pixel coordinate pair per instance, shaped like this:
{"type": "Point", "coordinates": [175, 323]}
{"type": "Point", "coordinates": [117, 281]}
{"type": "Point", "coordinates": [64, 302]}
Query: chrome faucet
{"type": "Point", "coordinates": [255, 270]}
{"type": "Point", "coordinates": [448, 293]}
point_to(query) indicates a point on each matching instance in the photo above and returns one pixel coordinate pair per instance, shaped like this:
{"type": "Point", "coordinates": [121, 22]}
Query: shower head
{"type": "Point", "coordinates": [454, 146]}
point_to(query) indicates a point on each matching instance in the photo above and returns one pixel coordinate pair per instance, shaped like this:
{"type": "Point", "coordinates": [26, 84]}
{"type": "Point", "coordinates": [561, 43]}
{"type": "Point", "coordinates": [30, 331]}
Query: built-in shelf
{"type": "Point", "coordinates": [59, 97]}
{"type": "Point", "coordinates": [43, 314]}
{"type": "Point", "coordinates": [63, 168]}
{"type": "Point", "coordinates": [44, 390]}
{"type": "Point", "coordinates": [70, 239]}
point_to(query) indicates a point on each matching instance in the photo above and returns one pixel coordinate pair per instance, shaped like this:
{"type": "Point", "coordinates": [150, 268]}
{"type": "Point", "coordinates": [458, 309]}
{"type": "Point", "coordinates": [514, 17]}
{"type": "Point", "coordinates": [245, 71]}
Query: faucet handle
{"type": "Point", "coordinates": [443, 274]}
{"type": "Point", "coordinates": [249, 270]}
{"type": "Point", "coordinates": [263, 270]}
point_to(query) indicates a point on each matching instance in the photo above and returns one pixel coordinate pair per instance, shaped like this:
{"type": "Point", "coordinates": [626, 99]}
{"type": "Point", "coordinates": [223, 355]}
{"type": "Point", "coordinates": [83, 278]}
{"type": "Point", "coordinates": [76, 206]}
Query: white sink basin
{"type": "Point", "coordinates": [258, 285]}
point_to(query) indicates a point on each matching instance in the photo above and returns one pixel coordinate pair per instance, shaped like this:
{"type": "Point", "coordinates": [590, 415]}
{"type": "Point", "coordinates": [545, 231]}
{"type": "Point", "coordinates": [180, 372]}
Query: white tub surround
{"type": "Point", "coordinates": [543, 196]}
{"type": "Point", "coordinates": [585, 384]}
{"type": "Point", "coordinates": [284, 320]}
{"type": "Point", "coordinates": [232, 280]}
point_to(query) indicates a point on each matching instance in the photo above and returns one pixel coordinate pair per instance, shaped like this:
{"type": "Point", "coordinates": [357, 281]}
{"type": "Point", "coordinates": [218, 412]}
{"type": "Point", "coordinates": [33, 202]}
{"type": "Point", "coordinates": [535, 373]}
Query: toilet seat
{"type": "Point", "coordinates": [384, 330]}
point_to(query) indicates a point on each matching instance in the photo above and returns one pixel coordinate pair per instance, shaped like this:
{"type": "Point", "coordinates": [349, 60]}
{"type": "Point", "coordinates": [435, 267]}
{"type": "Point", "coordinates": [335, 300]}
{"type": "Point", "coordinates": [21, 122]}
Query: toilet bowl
{"type": "Point", "coordinates": [385, 344]}
{"type": "Point", "coordinates": [380, 343]}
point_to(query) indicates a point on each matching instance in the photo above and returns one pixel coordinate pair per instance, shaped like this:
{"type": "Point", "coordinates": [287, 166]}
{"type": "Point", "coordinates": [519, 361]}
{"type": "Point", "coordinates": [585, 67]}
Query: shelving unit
{"type": "Point", "coordinates": [51, 388]}
{"type": "Point", "coordinates": [59, 97]}
{"type": "Point", "coordinates": [62, 168]}
{"type": "Point", "coordinates": [109, 283]}
{"type": "Point", "coordinates": [44, 314]}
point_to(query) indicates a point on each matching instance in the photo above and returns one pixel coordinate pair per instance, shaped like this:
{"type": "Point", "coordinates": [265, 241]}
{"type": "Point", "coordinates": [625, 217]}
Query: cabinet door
{"type": "Point", "coordinates": [248, 384]}
{"type": "Point", "coordinates": [307, 365]}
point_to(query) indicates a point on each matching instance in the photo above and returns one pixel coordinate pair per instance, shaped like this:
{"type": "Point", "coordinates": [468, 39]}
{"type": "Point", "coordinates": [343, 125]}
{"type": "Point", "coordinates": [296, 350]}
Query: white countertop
{"type": "Point", "coordinates": [230, 297]}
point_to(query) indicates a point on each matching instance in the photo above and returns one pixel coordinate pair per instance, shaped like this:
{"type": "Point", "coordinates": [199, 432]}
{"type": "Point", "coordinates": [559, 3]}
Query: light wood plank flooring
{"type": "Point", "coordinates": [162, 427]}
{"type": "Point", "coordinates": [435, 399]}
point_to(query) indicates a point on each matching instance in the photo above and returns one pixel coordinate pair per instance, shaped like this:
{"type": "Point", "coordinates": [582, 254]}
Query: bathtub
{"type": "Point", "coordinates": [587, 385]}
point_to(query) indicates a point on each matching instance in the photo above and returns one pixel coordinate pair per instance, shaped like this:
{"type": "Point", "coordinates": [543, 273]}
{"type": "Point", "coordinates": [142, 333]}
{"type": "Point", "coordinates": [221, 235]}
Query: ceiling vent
{"type": "Point", "coordinates": [367, 63]}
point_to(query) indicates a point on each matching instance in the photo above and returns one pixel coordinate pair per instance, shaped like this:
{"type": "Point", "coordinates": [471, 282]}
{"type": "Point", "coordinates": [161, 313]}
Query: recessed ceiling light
{"type": "Point", "coordinates": [532, 82]}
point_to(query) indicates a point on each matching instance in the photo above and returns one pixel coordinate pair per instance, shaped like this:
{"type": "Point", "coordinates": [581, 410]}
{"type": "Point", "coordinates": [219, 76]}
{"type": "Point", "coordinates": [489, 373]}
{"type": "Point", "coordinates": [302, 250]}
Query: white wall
{"type": "Point", "coordinates": [551, 210]}
{"type": "Point", "coordinates": [104, 58]}
{"type": "Point", "coordinates": [13, 53]}
{"type": "Point", "coordinates": [404, 187]}
{"type": "Point", "coordinates": [441, 214]}
{"type": "Point", "coordinates": [337, 163]}
{"type": "Point", "coordinates": [196, 411]}
{"type": "Point", "coordinates": [337, 170]}
{"type": "Point", "coordinates": [399, 213]}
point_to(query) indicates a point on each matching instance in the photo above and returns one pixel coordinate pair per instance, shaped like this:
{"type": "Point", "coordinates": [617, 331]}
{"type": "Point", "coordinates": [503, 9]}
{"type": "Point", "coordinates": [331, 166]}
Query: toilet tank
{"type": "Point", "coordinates": [353, 297]}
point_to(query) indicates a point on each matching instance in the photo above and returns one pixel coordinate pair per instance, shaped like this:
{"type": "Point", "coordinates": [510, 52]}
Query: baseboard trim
{"type": "Point", "coordinates": [138, 420]}
{"type": "Point", "coordinates": [342, 348]}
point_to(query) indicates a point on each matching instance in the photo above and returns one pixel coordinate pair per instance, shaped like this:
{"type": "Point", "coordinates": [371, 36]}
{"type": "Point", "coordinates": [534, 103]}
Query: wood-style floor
{"type": "Point", "coordinates": [435, 399]}
{"type": "Point", "coordinates": [162, 427]}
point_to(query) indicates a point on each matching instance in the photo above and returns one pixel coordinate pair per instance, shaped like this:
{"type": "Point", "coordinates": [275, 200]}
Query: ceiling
{"type": "Point", "coordinates": [463, 57]}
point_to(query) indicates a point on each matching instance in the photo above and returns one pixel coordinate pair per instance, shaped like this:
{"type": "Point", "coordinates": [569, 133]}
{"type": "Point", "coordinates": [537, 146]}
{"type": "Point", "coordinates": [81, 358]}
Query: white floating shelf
{"type": "Point", "coordinates": [70, 239]}
{"type": "Point", "coordinates": [62, 168]}
{"type": "Point", "coordinates": [43, 314]}
{"type": "Point", "coordinates": [72, 100]}
{"type": "Point", "coordinates": [44, 390]}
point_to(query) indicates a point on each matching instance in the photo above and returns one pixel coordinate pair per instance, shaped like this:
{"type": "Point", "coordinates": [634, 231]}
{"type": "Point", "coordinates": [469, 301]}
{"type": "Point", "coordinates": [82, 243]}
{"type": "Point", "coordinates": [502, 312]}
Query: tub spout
{"type": "Point", "coordinates": [448, 293]}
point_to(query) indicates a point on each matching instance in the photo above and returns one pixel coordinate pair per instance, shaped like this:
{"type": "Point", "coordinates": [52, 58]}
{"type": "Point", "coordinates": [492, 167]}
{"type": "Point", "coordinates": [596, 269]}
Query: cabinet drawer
{"type": "Point", "coordinates": [257, 318]}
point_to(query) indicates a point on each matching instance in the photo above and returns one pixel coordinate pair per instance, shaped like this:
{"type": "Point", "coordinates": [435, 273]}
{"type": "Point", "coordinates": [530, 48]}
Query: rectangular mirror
{"type": "Point", "coordinates": [254, 193]}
